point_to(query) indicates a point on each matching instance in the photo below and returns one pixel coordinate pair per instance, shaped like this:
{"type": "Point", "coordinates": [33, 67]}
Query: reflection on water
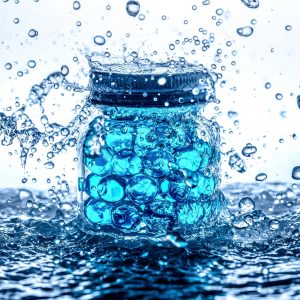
{"type": "Point", "coordinates": [50, 257]}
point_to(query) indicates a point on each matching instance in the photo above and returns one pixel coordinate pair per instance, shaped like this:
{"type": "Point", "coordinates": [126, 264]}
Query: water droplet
{"type": "Point", "coordinates": [78, 23]}
{"type": "Point", "coordinates": [267, 85]}
{"type": "Point", "coordinates": [64, 70]}
{"type": "Point", "coordinates": [249, 150]}
{"type": "Point", "coordinates": [219, 11]}
{"type": "Point", "coordinates": [251, 3]}
{"type": "Point", "coordinates": [274, 224]}
{"type": "Point", "coordinates": [142, 17]}
{"type": "Point", "coordinates": [194, 7]}
{"type": "Point", "coordinates": [296, 173]}
{"type": "Point", "coordinates": [108, 7]}
{"type": "Point", "coordinates": [261, 177]}
{"type": "Point", "coordinates": [133, 8]}
{"type": "Point", "coordinates": [29, 204]}
{"type": "Point", "coordinates": [99, 40]}
{"type": "Point", "coordinates": [288, 27]}
{"type": "Point", "coordinates": [246, 204]}
{"type": "Point", "coordinates": [32, 33]}
{"type": "Point", "coordinates": [171, 46]}
{"type": "Point", "coordinates": [278, 96]}
{"type": "Point", "coordinates": [232, 114]}
{"type": "Point", "coordinates": [76, 5]}
{"type": "Point", "coordinates": [8, 66]}
{"type": "Point", "coordinates": [162, 80]}
{"type": "Point", "coordinates": [31, 63]}
{"type": "Point", "coordinates": [245, 31]}
{"type": "Point", "coordinates": [49, 165]}
{"type": "Point", "coordinates": [253, 21]}
{"type": "Point", "coordinates": [108, 34]}
{"type": "Point", "coordinates": [16, 20]}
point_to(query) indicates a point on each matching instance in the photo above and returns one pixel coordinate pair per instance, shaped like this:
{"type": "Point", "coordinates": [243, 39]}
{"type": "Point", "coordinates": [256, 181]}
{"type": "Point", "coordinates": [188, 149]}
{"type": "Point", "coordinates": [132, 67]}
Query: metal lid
{"type": "Point", "coordinates": [151, 85]}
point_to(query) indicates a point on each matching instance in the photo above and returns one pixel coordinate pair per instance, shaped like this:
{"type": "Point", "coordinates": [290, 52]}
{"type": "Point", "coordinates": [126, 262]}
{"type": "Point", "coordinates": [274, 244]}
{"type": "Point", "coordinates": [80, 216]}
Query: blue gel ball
{"type": "Point", "coordinates": [156, 163]}
{"type": "Point", "coordinates": [100, 164]}
{"type": "Point", "coordinates": [141, 189]}
{"type": "Point", "coordinates": [190, 213]}
{"type": "Point", "coordinates": [125, 216]}
{"type": "Point", "coordinates": [97, 211]}
{"type": "Point", "coordinates": [188, 158]}
{"type": "Point", "coordinates": [126, 163]}
{"type": "Point", "coordinates": [111, 188]}
{"type": "Point", "coordinates": [163, 206]}
{"type": "Point", "coordinates": [146, 139]}
{"type": "Point", "coordinates": [205, 186]}
{"type": "Point", "coordinates": [178, 190]}
{"type": "Point", "coordinates": [119, 137]}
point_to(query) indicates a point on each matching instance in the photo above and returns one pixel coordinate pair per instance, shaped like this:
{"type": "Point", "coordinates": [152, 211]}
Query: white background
{"type": "Point", "coordinates": [271, 54]}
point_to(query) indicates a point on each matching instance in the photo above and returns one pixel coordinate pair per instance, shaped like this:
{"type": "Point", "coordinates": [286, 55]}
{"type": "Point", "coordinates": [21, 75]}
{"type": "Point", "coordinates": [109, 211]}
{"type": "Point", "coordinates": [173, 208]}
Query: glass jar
{"type": "Point", "coordinates": [150, 162]}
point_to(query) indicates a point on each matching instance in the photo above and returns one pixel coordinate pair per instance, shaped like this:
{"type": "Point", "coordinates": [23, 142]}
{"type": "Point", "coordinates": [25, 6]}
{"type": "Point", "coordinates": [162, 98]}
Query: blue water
{"type": "Point", "coordinates": [49, 257]}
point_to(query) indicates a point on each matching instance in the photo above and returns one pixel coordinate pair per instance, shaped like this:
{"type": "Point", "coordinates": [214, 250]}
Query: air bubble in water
{"type": "Point", "coordinates": [246, 205]}
{"type": "Point", "coordinates": [142, 17]}
{"type": "Point", "coordinates": [298, 101]}
{"type": "Point", "coordinates": [8, 66]}
{"type": "Point", "coordinates": [108, 34]}
{"type": "Point", "coordinates": [171, 46]}
{"type": "Point", "coordinates": [76, 5]}
{"type": "Point", "coordinates": [29, 204]}
{"type": "Point", "coordinates": [267, 85]}
{"type": "Point", "coordinates": [64, 70]}
{"type": "Point", "coordinates": [16, 20]}
{"type": "Point", "coordinates": [32, 33]}
{"type": "Point", "coordinates": [162, 81]}
{"type": "Point", "coordinates": [245, 31]}
{"type": "Point", "coordinates": [278, 96]}
{"type": "Point", "coordinates": [31, 63]}
{"type": "Point", "coordinates": [274, 224]}
{"type": "Point", "coordinates": [296, 173]}
{"type": "Point", "coordinates": [249, 150]}
{"type": "Point", "coordinates": [261, 177]}
{"type": "Point", "coordinates": [99, 40]}
{"type": "Point", "coordinates": [251, 3]}
{"type": "Point", "coordinates": [219, 11]}
{"type": "Point", "coordinates": [49, 165]}
{"type": "Point", "coordinates": [288, 27]}
{"type": "Point", "coordinates": [133, 8]}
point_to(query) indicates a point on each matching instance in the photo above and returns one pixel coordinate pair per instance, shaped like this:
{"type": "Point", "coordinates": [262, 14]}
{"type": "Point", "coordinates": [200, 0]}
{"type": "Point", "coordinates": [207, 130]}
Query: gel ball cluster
{"type": "Point", "coordinates": [147, 174]}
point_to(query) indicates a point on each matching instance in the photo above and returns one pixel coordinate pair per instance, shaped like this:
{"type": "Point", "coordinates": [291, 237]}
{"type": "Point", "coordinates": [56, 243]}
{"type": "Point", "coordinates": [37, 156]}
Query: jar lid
{"type": "Point", "coordinates": [150, 84]}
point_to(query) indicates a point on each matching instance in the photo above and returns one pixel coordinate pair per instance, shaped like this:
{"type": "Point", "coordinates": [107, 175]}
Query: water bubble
{"type": "Point", "coordinates": [78, 23]}
{"type": "Point", "coordinates": [32, 33]}
{"type": "Point", "coordinates": [267, 85]}
{"type": "Point", "coordinates": [219, 11]}
{"type": "Point", "coordinates": [288, 27]}
{"type": "Point", "coordinates": [162, 80]}
{"type": "Point", "coordinates": [133, 8]}
{"type": "Point", "coordinates": [253, 21]}
{"type": "Point", "coordinates": [164, 17]}
{"type": "Point", "coordinates": [232, 114]}
{"type": "Point", "coordinates": [31, 63]}
{"type": "Point", "coordinates": [236, 162]}
{"type": "Point", "coordinates": [245, 31]}
{"type": "Point", "coordinates": [249, 150]}
{"type": "Point", "coordinates": [274, 224]}
{"type": "Point", "coordinates": [8, 66]}
{"type": "Point", "coordinates": [108, 7]}
{"type": "Point", "coordinates": [278, 96]}
{"type": "Point", "coordinates": [171, 46]}
{"type": "Point", "coordinates": [261, 177]}
{"type": "Point", "coordinates": [194, 7]}
{"type": "Point", "coordinates": [16, 20]}
{"type": "Point", "coordinates": [29, 204]}
{"type": "Point", "coordinates": [99, 40]}
{"type": "Point", "coordinates": [296, 173]}
{"type": "Point", "coordinates": [246, 205]}
{"type": "Point", "coordinates": [49, 165]}
{"type": "Point", "coordinates": [142, 17]}
{"type": "Point", "coordinates": [108, 34]}
{"type": "Point", "coordinates": [76, 5]}
{"type": "Point", "coordinates": [251, 3]}
{"type": "Point", "coordinates": [64, 70]}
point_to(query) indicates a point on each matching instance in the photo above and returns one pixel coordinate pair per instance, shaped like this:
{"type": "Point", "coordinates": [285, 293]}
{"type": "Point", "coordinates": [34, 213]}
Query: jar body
{"type": "Point", "coordinates": [149, 171]}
